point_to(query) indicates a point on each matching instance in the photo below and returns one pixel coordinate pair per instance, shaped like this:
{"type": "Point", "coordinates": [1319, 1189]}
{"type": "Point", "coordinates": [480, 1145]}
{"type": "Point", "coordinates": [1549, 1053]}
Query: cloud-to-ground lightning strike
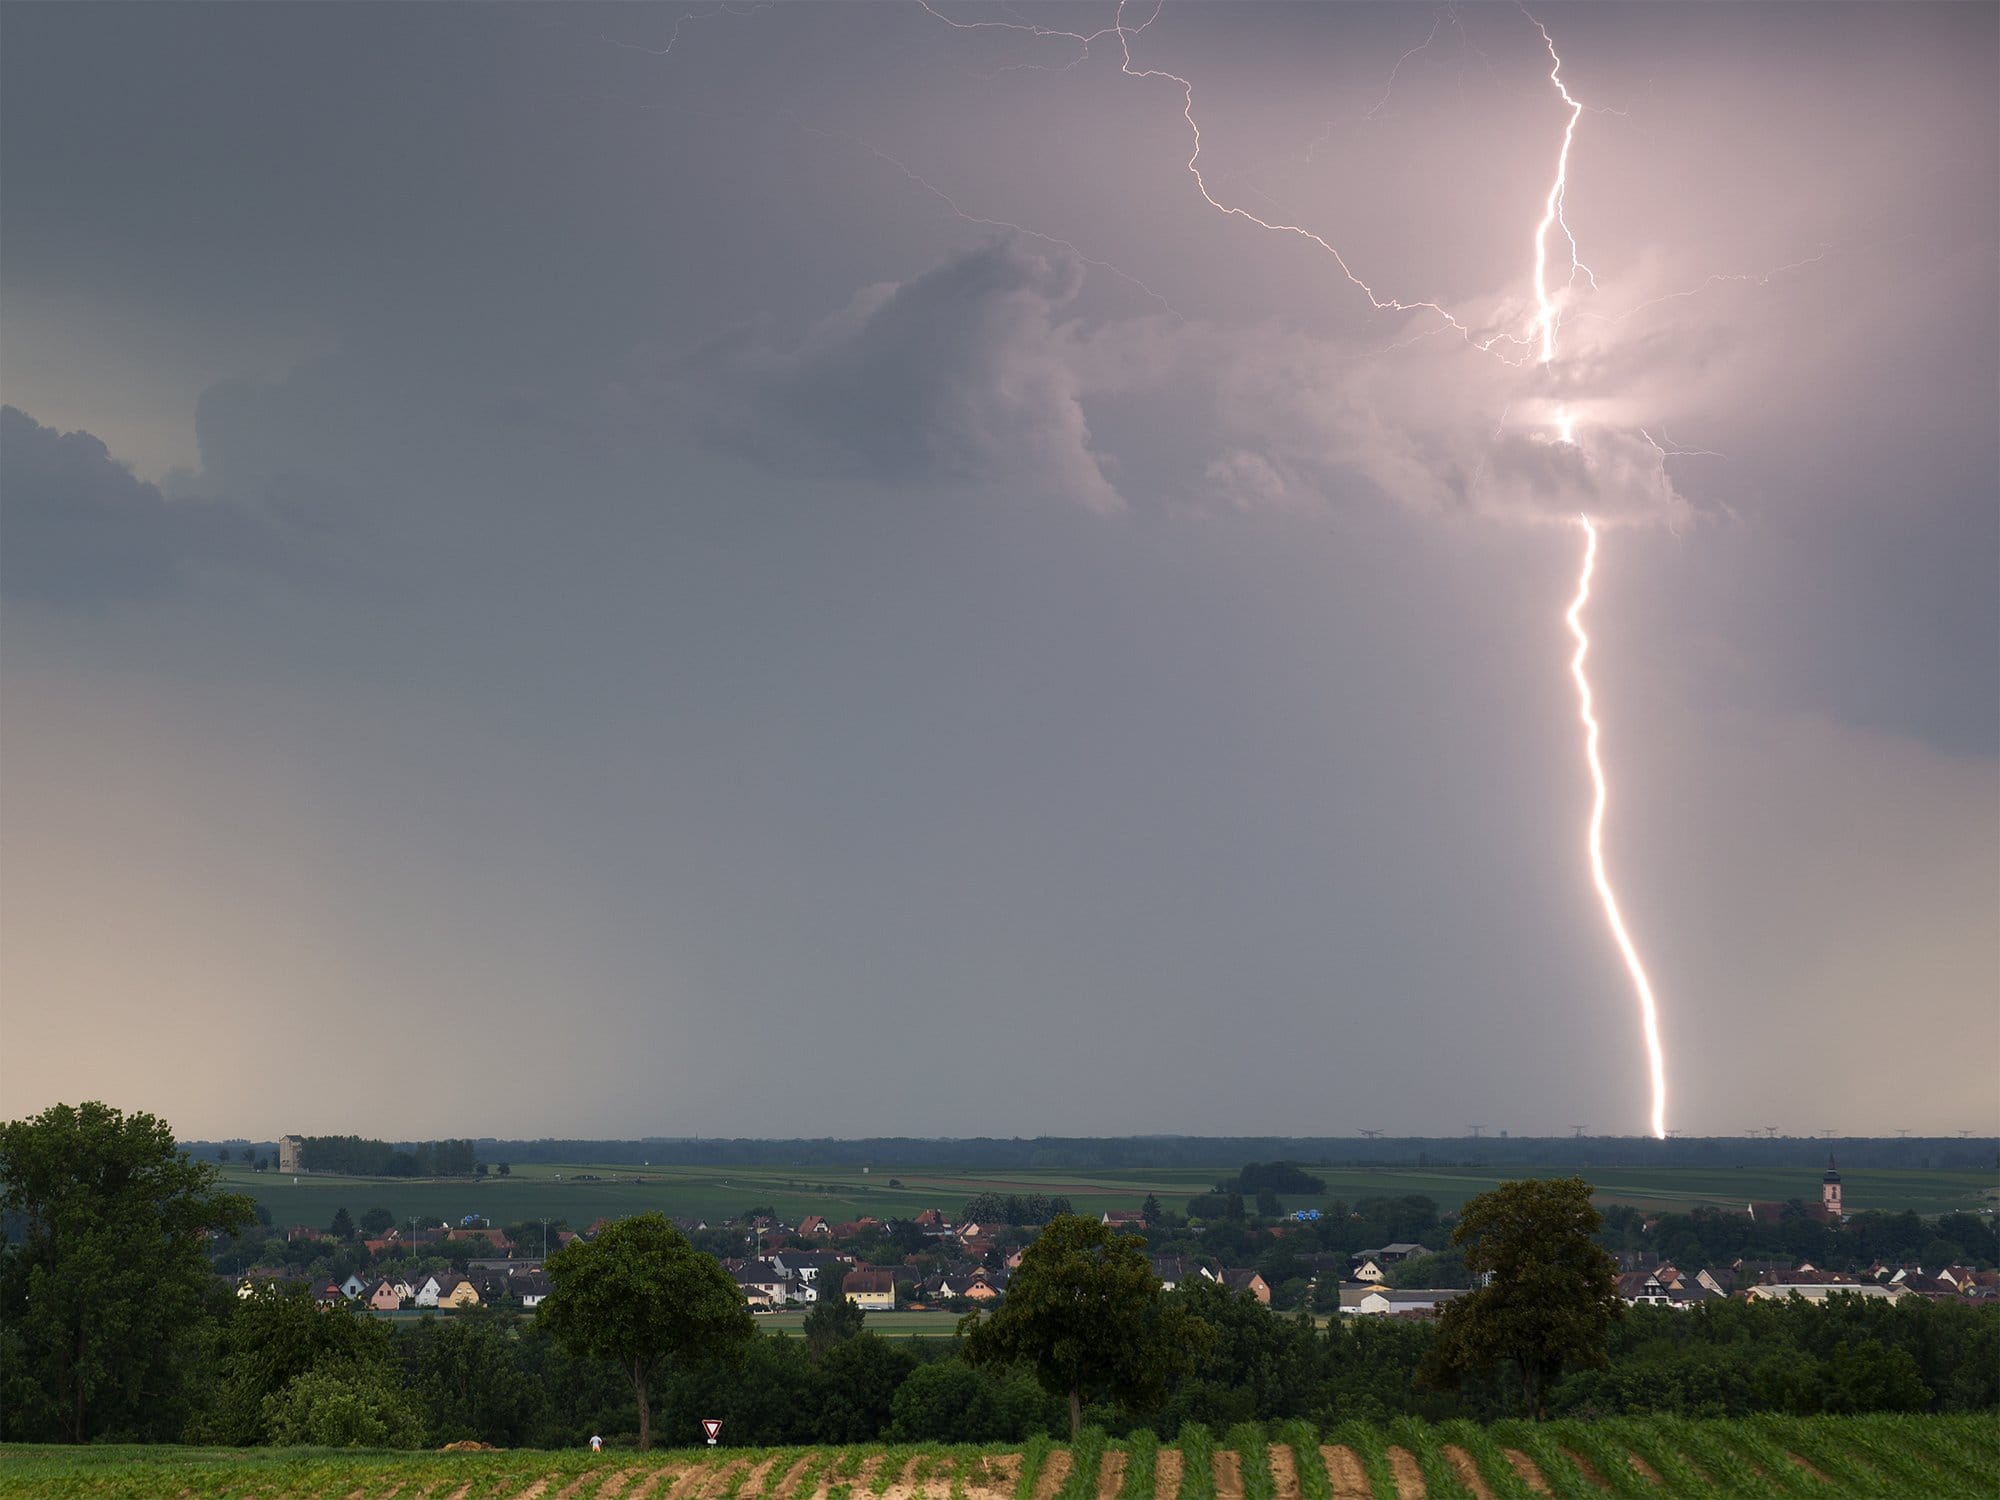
{"type": "Point", "coordinates": [1655, 1058]}
{"type": "Point", "coordinates": [1538, 346]}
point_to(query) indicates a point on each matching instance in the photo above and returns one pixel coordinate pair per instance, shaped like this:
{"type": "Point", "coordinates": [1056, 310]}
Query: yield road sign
{"type": "Point", "coordinates": [713, 1427]}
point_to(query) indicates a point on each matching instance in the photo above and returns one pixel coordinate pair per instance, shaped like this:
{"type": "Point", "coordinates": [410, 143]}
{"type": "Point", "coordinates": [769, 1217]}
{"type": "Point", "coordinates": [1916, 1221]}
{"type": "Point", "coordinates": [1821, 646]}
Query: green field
{"type": "Point", "coordinates": [1817, 1458]}
{"type": "Point", "coordinates": [837, 1194]}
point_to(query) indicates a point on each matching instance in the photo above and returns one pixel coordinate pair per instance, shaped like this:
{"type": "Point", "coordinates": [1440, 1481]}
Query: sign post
{"type": "Point", "coordinates": [713, 1427]}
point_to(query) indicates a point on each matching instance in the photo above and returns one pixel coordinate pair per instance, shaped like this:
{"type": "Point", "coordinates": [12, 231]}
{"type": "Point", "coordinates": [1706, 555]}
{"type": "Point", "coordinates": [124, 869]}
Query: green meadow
{"type": "Point", "coordinates": [569, 1192]}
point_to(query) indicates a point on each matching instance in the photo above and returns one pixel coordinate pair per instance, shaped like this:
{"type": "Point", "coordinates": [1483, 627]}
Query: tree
{"type": "Point", "coordinates": [1151, 1211]}
{"type": "Point", "coordinates": [1552, 1293]}
{"type": "Point", "coordinates": [832, 1320]}
{"type": "Point", "coordinates": [641, 1297]}
{"type": "Point", "coordinates": [102, 1288]}
{"type": "Point", "coordinates": [462, 1369]}
{"type": "Point", "coordinates": [268, 1341]}
{"type": "Point", "coordinates": [506, 1169]}
{"type": "Point", "coordinates": [223, 1154]}
{"type": "Point", "coordinates": [377, 1220]}
{"type": "Point", "coordinates": [1085, 1310]}
{"type": "Point", "coordinates": [342, 1227]}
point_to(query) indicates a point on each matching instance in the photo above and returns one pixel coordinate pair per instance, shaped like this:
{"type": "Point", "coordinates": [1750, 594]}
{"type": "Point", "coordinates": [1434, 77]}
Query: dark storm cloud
{"type": "Point", "coordinates": [77, 528]}
{"type": "Point", "coordinates": [1176, 701]}
{"type": "Point", "coordinates": [960, 375]}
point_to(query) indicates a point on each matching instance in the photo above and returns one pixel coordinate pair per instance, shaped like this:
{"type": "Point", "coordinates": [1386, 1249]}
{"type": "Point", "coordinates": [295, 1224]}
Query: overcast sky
{"type": "Point", "coordinates": [779, 570]}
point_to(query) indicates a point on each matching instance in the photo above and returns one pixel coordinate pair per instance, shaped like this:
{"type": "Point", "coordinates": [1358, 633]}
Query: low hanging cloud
{"type": "Point", "coordinates": [978, 372]}
{"type": "Point", "coordinates": [961, 375]}
{"type": "Point", "coordinates": [79, 529]}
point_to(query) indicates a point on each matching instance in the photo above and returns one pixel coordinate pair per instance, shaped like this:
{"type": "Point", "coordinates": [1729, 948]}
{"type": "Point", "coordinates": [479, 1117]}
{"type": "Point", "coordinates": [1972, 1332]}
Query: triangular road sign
{"type": "Point", "coordinates": [712, 1426]}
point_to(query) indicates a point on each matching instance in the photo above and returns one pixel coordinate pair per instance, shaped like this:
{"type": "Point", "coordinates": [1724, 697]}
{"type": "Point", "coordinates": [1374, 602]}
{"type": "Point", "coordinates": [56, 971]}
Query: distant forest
{"type": "Point", "coordinates": [356, 1156]}
{"type": "Point", "coordinates": [1087, 1153]}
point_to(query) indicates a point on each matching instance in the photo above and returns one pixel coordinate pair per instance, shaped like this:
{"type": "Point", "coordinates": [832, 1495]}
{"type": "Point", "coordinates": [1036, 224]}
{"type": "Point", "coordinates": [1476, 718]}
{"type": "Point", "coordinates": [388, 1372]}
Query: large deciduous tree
{"type": "Point", "coordinates": [1551, 1293]}
{"type": "Point", "coordinates": [1085, 1310]}
{"type": "Point", "coordinates": [102, 1289]}
{"type": "Point", "coordinates": [641, 1297]}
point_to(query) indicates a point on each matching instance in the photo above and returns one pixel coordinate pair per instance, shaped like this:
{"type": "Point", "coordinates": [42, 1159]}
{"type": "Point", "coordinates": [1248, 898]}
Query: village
{"type": "Point", "coordinates": [932, 1264]}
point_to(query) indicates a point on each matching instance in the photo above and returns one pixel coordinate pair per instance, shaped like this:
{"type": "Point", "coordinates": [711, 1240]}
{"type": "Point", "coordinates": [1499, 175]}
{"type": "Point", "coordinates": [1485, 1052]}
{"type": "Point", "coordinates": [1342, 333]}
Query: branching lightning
{"type": "Point", "coordinates": [1548, 314]}
{"type": "Point", "coordinates": [1655, 1058]}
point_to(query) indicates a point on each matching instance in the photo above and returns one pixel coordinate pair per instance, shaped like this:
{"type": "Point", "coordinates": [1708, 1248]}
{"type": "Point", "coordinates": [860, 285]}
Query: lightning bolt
{"type": "Point", "coordinates": [1548, 315]}
{"type": "Point", "coordinates": [1649, 1012]}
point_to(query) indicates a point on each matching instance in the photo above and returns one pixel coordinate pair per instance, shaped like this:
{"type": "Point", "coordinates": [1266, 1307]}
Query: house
{"type": "Point", "coordinates": [425, 1290]}
{"type": "Point", "coordinates": [986, 1286]}
{"type": "Point", "coordinates": [1247, 1281]}
{"type": "Point", "coordinates": [385, 1297]}
{"type": "Point", "coordinates": [763, 1284]}
{"type": "Point", "coordinates": [813, 1224]}
{"type": "Point", "coordinates": [1351, 1297]}
{"type": "Point", "coordinates": [530, 1288]}
{"type": "Point", "coordinates": [353, 1287]}
{"type": "Point", "coordinates": [492, 1237]}
{"type": "Point", "coordinates": [458, 1292]}
{"type": "Point", "coordinates": [329, 1295]}
{"type": "Point", "coordinates": [1170, 1271]}
{"type": "Point", "coordinates": [872, 1290]}
{"type": "Point", "coordinates": [1635, 1287]}
{"type": "Point", "coordinates": [1819, 1291]}
{"type": "Point", "coordinates": [1370, 1270]}
{"type": "Point", "coordinates": [1402, 1250]}
{"type": "Point", "coordinates": [806, 1267]}
{"type": "Point", "coordinates": [932, 1218]}
{"type": "Point", "coordinates": [1129, 1219]}
{"type": "Point", "coordinates": [1414, 1302]}
{"type": "Point", "coordinates": [269, 1279]}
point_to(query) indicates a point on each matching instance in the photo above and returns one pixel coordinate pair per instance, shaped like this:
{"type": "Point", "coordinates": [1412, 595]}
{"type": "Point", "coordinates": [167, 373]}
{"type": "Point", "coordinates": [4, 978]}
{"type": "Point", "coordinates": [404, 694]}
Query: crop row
{"type": "Point", "coordinates": [1764, 1458]}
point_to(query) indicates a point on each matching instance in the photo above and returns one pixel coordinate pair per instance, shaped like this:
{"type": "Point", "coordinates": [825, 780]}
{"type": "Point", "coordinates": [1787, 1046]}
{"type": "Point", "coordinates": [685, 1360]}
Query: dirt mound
{"type": "Point", "coordinates": [1525, 1470]}
{"type": "Point", "coordinates": [1409, 1478]}
{"type": "Point", "coordinates": [1284, 1471]}
{"type": "Point", "coordinates": [1228, 1474]}
{"type": "Point", "coordinates": [1350, 1480]}
{"type": "Point", "coordinates": [470, 1445]}
{"type": "Point", "coordinates": [1167, 1474]}
{"type": "Point", "coordinates": [1055, 1469]}
{"type": "Point", "coordinates": [1467, 1471]}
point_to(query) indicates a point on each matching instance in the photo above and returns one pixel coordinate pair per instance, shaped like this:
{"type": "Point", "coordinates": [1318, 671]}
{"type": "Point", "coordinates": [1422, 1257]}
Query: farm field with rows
{"type": "Point", "coordinates": [1771, 1458]}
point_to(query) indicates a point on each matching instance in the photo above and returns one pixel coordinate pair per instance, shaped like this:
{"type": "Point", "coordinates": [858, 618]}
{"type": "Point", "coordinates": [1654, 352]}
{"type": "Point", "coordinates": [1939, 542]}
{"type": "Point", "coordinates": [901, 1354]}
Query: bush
{"type": "Point", "coordinates": [342, 1408]}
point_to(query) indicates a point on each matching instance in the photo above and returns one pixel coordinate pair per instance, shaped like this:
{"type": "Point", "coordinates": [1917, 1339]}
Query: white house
{"type": "Point", "coordinates": [1384, 1300]}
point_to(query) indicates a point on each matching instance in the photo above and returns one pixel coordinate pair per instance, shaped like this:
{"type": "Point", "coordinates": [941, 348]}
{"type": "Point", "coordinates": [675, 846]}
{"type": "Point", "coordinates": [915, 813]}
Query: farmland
{"type": "Point", "coordinates": [581, 1193]}
{"type": "Point", "coordinates": [1922, 1458]}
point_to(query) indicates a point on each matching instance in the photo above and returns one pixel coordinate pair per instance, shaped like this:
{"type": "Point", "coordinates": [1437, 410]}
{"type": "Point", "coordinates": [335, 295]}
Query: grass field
{"type": "Point", "coordinates": [1770, 1458]}
{"type": "Point", "coordinates": [535, 1192]}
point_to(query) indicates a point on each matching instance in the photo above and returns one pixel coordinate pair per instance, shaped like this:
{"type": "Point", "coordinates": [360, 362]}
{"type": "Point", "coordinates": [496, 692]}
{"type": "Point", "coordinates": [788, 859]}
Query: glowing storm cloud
{"type": "Point", "coordinates": [1655, 1059]}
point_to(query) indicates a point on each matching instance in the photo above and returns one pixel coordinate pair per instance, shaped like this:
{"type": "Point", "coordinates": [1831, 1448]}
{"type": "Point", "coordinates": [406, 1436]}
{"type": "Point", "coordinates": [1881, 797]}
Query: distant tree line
{"type": "Point", "coordinates": [357, 1156]}
{"type": "Point", "coordinates": [1013, 1208]}
{"type": "Point", "coordinates": [1103, 1153]}
{"type": "Point", "coordinates": [1714, 1237]}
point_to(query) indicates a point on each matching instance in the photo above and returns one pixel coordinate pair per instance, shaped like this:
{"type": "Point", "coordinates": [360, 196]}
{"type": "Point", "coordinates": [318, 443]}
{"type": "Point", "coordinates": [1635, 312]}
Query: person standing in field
{"type": "Point", "coordinates": [596, 1443]}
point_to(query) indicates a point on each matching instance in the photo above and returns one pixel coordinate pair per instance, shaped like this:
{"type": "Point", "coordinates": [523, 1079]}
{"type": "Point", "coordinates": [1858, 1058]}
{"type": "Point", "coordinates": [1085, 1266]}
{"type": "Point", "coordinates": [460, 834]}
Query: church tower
{"type": "Point", "coordinates": [1829, 1192]}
